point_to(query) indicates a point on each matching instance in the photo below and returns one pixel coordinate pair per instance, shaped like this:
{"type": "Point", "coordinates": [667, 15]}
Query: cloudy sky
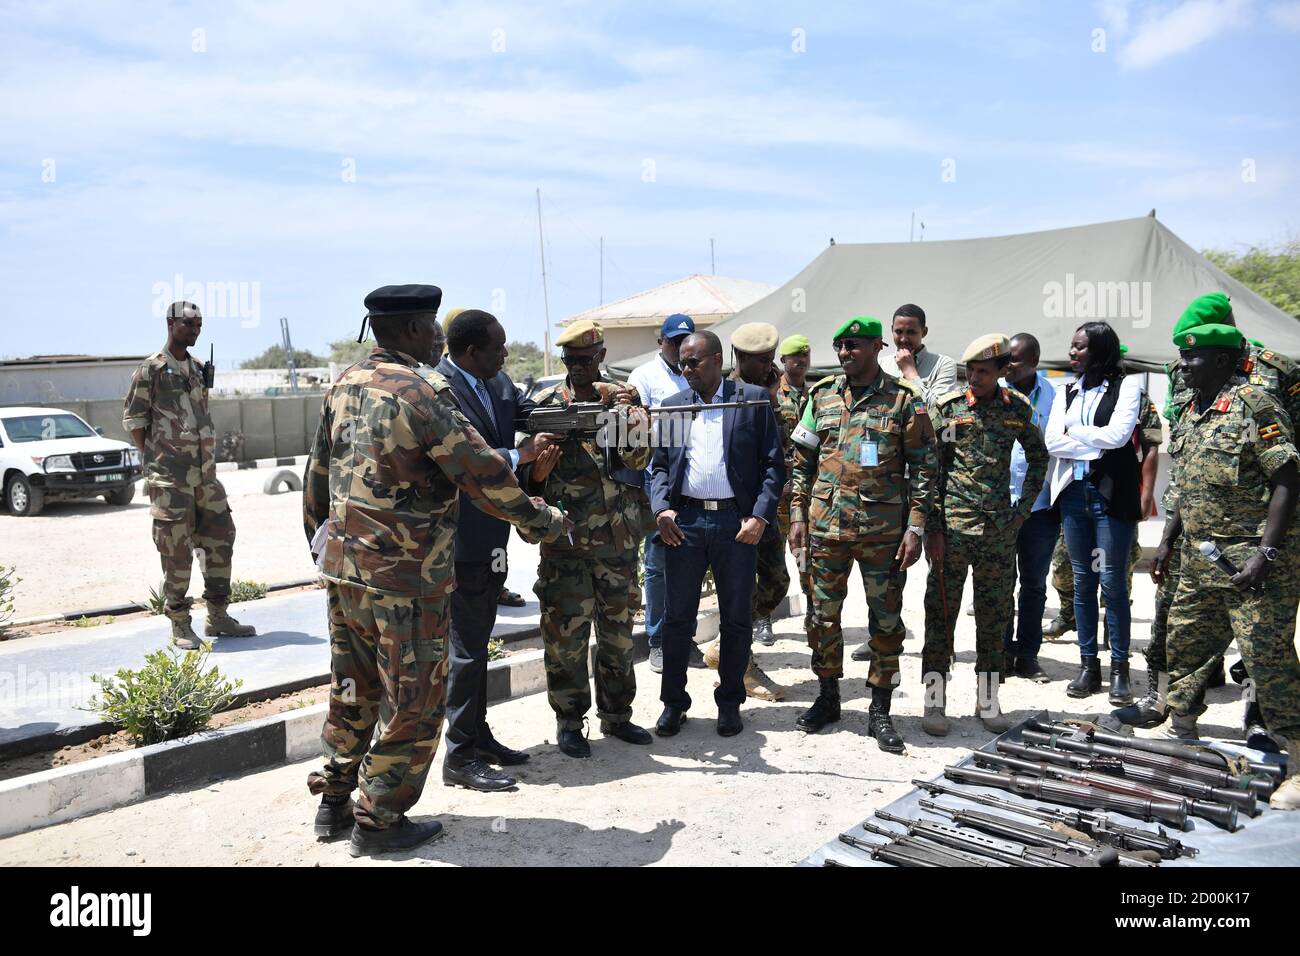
{"type": "Point", "coordinates": [302, 153]}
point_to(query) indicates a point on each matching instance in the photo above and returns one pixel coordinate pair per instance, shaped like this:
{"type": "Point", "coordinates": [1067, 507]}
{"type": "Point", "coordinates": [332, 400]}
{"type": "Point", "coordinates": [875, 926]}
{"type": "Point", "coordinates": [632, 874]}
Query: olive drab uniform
{"type": "Point", "coordinates": [975, 514]}
{"type": "Point", "coordinates": [589, 580]}
{"type": "Point", "coordinates": [390, 453]}
{"type": "Point", "coordinates": [1226, 456]}
{"type": "Point", "coordinates": [864, 472]}
{"type": "Point", "coordinates": [190, 512]}
{"type": "Point", "coordinates": [789, 409]}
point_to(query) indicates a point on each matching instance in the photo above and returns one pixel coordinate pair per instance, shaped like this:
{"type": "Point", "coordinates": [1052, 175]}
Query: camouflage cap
{"type": "Point", "coordinates": [1210, 336]}
{"type": "Point", "coordinates": [581, 335]}
{"type": "Point", "coordinates": [795, 345]}
{"type": "Point", "coordinates": [986, 348]}
{"type": "Point", "coordinates": [755, 337]}
{"type": "Point", "coordinates": [1209, 309]}
{"type": "Point", "coordinates": [863, 325]}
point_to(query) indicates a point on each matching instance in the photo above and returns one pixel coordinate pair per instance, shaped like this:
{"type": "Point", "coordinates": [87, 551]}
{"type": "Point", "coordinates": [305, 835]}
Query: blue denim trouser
{"type": "Point", "coordinates": [1034, 546]}
{"type": "Point", "coordinates": [710, 544]}
{"type": "Point", "coordinates": [654, 589]}
{"type": "Point", "coordinates": [1099, 547]}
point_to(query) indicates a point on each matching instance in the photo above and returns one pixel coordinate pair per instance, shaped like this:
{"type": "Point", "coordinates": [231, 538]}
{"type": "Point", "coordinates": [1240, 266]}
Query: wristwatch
{"type": "Point", "coordinates": [1269, 553]}
{"type": "Point", "coordinates": [916, 529]}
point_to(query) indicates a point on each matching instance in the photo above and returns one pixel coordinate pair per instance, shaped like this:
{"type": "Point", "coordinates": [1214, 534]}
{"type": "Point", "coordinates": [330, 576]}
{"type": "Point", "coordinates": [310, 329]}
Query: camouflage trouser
{"type": "Point", "coordinates": [1063, 575]}
{"type": "Point", "coordinates": [186, 520]}
{"type": "Point", "coordinates": [805, 579]}
{"type": "Point", "coordinates": [573, 593]}
{"type": "Point", "coordinates": [388, 666]}
{"type": "Point", "coordinates": [830, 564]}
{"type": "Point", "coordinates": [1157, 658]}
{"type": "Point", "coordinates": [773, 578]}
{"type": "Point", "coordinates": [1264, 626]}
{"type": "Point", "coordinates": [991, 560]}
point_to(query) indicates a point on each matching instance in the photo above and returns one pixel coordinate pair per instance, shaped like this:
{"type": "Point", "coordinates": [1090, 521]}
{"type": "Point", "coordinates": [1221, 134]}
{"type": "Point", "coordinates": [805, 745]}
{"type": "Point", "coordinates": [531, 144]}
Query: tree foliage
{"type": "Point", "coordinates": [1274, 273]}
{"type": "Point", "coordinates": [274, 358]}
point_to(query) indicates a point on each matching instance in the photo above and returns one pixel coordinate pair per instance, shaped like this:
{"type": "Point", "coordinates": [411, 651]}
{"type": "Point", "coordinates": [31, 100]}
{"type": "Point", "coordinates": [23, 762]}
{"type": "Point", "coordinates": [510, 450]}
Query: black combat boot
{"type": "Point", "coordinates": [1120, 692]}
{"type": "Point", "coordinates": [1089, 680]}
{"type": "Point", "coordinates": [1256, 731]}
{"type": "Point", "coordinates": [824, 710]}
{"type": "Point", "coordinates": [1146, 713]}
{"type": "Point", "coordinates": [878, 723]}
{"type": "Point", "coordinates": [333, 816]}
{"type": "Point", "coordinates": [1217, 678]}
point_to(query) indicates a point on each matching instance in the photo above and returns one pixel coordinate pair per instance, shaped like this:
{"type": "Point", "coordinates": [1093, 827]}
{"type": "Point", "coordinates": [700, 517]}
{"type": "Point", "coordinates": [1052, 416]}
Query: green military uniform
{"type": "Point", "coordinates": [1224, 467]}
{"type": "Point", "coordinates": [866, 477]}
{"type": "Point", "coordinates": [790, 402]}
{"type": "Point", "coordinates": [589, 580]}
{"type": "Point", "coordinates": [390, 454]}
{"type": "Point", "coordinates": [978, 521]}
{"type": "Point", "coordinates": [190, 512]}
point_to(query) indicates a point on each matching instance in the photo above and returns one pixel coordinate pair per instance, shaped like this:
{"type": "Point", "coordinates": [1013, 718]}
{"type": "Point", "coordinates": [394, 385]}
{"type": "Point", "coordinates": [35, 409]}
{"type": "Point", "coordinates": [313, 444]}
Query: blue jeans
{"type": "Point", "coordinates": [1098, 545]}
{"type": "Point", "coordinates": [1034, 544]}
{"type": "Point", "coordinates": [710, 544]}
{"type": "Point", "coordinates": [654, 589]}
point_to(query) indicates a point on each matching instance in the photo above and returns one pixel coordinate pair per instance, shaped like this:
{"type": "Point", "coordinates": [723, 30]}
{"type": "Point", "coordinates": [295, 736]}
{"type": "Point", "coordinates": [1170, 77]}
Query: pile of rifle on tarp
{"type": "Point", "coordinates": [1084, 768]}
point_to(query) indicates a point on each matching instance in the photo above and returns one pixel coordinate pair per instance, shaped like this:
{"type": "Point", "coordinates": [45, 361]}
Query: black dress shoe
{"type": "Point", "coordinates": [573, 744]}
{"type": "Point", "coordinates": [333, 816]}
{"type": "Point", "coordinates": [694, 656]}
{"type": "Point", "coordinates": [670, 721]}
{"type": "Point", "coordinates": [406, 834]}
{"type": "Point", "coordinates": [729, 722]}
{"type": "Point", "coordinates": [498, 753]}
{"type": "Point", "coordinates": [627, 732]}
{"type": "Point", "coordinates": [1030, 669]}
{"type": "Point", "coordinates": [476, 775]}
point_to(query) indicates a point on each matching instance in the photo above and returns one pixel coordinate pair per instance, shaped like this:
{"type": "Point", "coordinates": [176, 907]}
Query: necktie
{"type": "Point", "coordinates": [481, 391]}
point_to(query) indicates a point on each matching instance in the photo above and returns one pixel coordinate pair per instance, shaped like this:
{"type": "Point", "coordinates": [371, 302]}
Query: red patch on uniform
{"type": "Point", "coordinates": [1223, 404]}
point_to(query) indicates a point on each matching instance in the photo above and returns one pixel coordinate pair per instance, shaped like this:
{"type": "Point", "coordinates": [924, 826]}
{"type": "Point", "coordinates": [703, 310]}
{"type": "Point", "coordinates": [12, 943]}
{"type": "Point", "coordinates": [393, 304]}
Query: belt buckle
{"type": "Point", "coordinates": [710, 506]}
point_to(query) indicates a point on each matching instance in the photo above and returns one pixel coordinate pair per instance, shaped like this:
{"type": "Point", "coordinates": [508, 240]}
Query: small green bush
{"type": "Point", "coordinates": [170, 697]}
{"type": "Point", "coordinates": [8, 581]}
{"type": "Point", "coordinates": [157, 603]}
{"type": "Point", "coordinates": [496, 649]}
{"type": "Point", "coordinates": [84, 621]}
{"type": "Point", "coordinates": [246, 591]}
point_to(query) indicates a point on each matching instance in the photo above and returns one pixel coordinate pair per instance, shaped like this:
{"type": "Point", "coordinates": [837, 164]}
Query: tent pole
{"type": "Point", "coordinates": [546, 303]}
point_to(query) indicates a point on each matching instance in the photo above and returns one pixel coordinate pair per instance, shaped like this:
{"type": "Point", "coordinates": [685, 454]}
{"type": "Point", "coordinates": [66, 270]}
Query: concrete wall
{"type": "Point", "coordinates": [272, 427]}
{"type": "Point", "coordinates": [58, 382]}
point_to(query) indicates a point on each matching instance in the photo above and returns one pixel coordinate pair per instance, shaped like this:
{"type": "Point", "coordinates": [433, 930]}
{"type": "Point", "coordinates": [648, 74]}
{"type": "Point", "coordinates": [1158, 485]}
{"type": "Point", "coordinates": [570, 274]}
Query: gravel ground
{"type": "Point", "coordinates": [768, 796]}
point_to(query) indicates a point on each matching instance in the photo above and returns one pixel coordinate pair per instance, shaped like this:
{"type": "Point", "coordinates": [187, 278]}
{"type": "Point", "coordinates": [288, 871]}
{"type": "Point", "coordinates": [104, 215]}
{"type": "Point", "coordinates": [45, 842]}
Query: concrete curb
{"type": "Point", "coordinates": [55, 796]}
{"type": "Point", "coordinates": [261, 463]}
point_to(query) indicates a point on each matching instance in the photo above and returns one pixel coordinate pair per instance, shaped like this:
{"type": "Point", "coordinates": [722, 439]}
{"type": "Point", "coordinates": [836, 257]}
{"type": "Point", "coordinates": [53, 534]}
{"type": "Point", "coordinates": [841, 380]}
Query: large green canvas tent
{"type": "Point", "coordinates": [1134, 273]}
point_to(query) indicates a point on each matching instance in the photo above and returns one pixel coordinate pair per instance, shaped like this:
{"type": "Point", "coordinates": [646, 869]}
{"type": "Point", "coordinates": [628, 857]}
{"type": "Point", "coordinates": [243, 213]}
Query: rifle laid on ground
{"type": "Point", "coordinates": [1005, 849]}
{"type": "Point", "coordinates": [1090, 823]}
{"type": "Point", "coordinates": [1073, 794]}
{"type": "Point", "coordinates": [1261, 785]}
{"type": "Point", "coordinates": [913, 852]}
{"type": "Point", "coordinates": [1035, 835]}
{"type": "Point", "coordinates": [1205, 756]}
{"type": "Point", "coordinates": [1224, 816]}
{"type": "Point", "coordinates": [1243, 800]}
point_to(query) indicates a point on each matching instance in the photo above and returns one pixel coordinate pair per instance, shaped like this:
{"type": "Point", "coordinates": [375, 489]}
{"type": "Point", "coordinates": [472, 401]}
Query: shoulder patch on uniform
{"type": "Point", "coordinates": [435, 379]}
{"type": "Point", "coordinates": [1271, 432]}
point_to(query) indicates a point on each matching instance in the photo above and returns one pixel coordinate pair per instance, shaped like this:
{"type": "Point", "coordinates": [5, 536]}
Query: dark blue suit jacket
{"type": "Point", "coordinates": [755, 462]}
{"type": "Point", "coordinates": [479, 535]}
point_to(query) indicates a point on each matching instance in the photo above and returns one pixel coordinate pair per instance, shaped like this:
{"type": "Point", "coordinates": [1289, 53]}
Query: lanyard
{"type": "Point", "coordinates": [1083, 407]}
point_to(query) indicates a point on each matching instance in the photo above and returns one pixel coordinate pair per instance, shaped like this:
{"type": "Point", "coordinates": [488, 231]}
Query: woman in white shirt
{"type": "Point", "coordinates": [1095, 481]}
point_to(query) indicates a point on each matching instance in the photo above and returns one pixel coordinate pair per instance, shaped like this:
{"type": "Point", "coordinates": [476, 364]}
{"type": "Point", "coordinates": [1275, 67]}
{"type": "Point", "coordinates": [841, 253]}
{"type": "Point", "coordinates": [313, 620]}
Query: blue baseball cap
{"type": "Point", "coordinates": [676, 325]}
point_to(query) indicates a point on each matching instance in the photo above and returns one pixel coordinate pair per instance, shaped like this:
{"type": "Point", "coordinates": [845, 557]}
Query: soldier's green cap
{"type": "Point", "coordinates": [1209, 309]}
{"type": "Point", "coordinates": [1123, 349]}
{"type": "Point", "coordinates": [755, 337]}
{"type": "Point", "coordinates": [1256, 342]}
{"type": "Point", "coordinates": [863, 325]}
{"type": "Point", "coordinates": [1209, 336]}
{"type": "Point", "coordinates": [796, 345]}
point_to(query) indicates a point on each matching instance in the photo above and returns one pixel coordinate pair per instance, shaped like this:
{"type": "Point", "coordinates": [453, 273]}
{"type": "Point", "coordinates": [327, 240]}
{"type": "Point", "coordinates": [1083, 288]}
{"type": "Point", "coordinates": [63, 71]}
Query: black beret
{"type": "Point", "coordinates": [403, 300]}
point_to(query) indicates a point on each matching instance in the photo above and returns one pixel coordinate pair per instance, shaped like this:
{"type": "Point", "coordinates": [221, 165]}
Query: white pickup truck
{"type": "Point", "coordinates": [47, 453]}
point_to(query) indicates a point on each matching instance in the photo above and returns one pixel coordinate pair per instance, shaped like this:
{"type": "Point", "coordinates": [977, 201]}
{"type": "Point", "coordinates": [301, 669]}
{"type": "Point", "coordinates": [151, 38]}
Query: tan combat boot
{"type": "Point", "coordinates": [1287, 796]}
{"type": "Point", "coordinates": [759, 685]}
{"type": "Point", "coordinates": [183, 635]}
{"type": "Point", "coordinates": [221, 624]}
{"type": "Point", "coordinates": [987, 708]}
{"type": "Point", "coordinates": [934, 721]}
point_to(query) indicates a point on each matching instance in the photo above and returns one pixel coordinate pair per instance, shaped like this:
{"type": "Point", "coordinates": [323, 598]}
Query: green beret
{"type": "Point", "coordinates": [796, 345]}
{"type": "Point", "coordinates": [1209, 336]}
{"type": "Point", "coordinates": [863, 325]}
{"type": "Point", "coordinates": [1123, 349]}
{"type": "Point", "coordinates": [1256, 342]}
{"type": "Point", "coordinates": [1210, 309]}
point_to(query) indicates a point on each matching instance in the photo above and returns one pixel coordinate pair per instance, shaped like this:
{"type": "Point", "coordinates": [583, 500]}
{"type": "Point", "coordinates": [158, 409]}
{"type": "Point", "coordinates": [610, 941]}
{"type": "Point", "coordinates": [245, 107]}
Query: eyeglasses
{"type": "Point", "coordinates": [851, 345]}
{"type": "Point", "coordinates": [692, 362]}
{"type": "Point", "coordinates": [577, 360]}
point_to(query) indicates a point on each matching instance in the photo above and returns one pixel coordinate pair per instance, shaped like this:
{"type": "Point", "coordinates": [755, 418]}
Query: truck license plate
{"type": "Point", "coordinates": [116, 477]}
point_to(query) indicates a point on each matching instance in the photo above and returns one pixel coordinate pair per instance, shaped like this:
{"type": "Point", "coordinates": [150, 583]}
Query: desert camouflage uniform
{"type": "Point", "coordinates": [390, 453]}
{"type": "Point", "coordinates": [1226, 456]}
{"type": "Point", "coordinates": [588, 581]}
{"type": "Point", "coordinates": [979, 523]}
{"type": "Point", "coordinates": [190, 512]}
{"type": "Point", "coordinates": [856, 511]}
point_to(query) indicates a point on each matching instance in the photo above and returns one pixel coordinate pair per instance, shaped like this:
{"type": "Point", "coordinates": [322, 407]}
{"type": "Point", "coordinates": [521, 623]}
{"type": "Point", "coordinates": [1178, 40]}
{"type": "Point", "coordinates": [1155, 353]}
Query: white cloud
{"type": "Point", "coordinates": [1286, 15]}
{"type": "Point", "coordinates": [1167, 33]}
{"type": "Point", "coordinates": [1115, 15]}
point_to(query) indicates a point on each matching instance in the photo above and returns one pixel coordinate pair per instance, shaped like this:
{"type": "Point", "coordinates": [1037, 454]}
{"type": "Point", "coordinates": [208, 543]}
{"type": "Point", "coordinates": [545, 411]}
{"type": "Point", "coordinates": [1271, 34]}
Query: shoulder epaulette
{"type": "Point", "coordinates": [436, 379]}
{"type": "Point", "coordinates": [949, 396]}
{"type": "Point", "coordinates": [822, 383]}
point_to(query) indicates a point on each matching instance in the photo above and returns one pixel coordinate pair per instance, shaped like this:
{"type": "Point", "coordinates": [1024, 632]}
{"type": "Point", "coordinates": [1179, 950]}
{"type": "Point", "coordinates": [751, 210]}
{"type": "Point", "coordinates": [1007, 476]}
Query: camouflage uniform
{"type": "Point", "coordinates": [1224, 466]}
{"type": "Point", "coordinates": [190, 512]}
{"type": "Point", "coordinates": [390, 453]}
{"type": "Point", "coordinates": [977, 519]}
{"type": "Point", "coordinates": [790, 403]}
{"type": "Point", "coordinates": [860, 511]}
{"type": "Point", "coordinates": [590, 579]}
{"type": "Point", "coordinates": [772, 577]}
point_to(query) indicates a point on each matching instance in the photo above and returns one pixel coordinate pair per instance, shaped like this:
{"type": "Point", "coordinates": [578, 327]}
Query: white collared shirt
{"type": "Point", "coordinates": [1072, 438]}
{"type": "Point", "coordinates": [706, 455]}
{"type": "Point", "coordinates": [1040, 396]}
{"type": "Point", "coordinates": [654, 381]}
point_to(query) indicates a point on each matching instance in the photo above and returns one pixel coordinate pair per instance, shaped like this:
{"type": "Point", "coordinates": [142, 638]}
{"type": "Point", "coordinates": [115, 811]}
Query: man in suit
{"type": "Point", "coordinates": [716, 479]}
{"type": "Point", "coordinates": [476, 346]}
